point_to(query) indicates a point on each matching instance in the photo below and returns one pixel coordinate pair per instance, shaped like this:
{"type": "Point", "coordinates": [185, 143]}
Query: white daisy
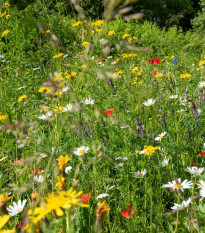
{"type": "Point", "coordinates": [173, 96]}
{"type": "Point", "coordinates": [45, 116]}
{"type": "Point", "coordinates": [67, 108]}
{"type": "Point", "coordinates": [16, 208]}
{"type": "Point", "coordinates": [43, 155]}
{"type": "Point", "coordinates": [181, 206]}
{"type": "Point", "coordinates": [21, 87]}
{"type": "Point", "coordinates": [68, 169]}
{"type": "Point", "coordinates": [119, 165]}
{"type": "Point", "coordinates": [164, 162]}
{"type": "Point", "coordinates": [195, 170]}
{"type": "Point", "coordinates": [159, 138]}
{"type": "Point", "coordinates": [178, 185]}
{"type": "Point", "coordinates": [89, 101]}
{"type": "Point", "coordinates": [201, 84]}
{"type": "Point", "coordinates": [81, 150]}
{"type": "Point", "coordinates": [201, 185]}
{"type": "Point", "coordinates": [65, 89]}
{"type": "Point", "coordinates": [39, 179]}
{"type": "Point", "coordinates": [140, 174]}
{"type": "Point", "coordinates": [202, 192]}
{"type": "Point", "coordinates": [149, 102]}
{"type": "Point", "coordinates": [125, 127]}
{"type": "Point", "coordinates": [103, 195]}
{"type": "Point", "coordinates": [122, 158]}
{"type": "Point", "coordinates": [37, 68]}
{"type": "Point", "coordinates": [21, 145]}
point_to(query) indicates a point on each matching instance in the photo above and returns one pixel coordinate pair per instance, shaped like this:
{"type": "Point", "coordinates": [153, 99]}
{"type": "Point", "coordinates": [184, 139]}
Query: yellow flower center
{"type": "Point", "coordinates": [150, 104]}
{"type": "Point", "coordinates": [160, 137]}
{"type": "Point", "coordinates": [178, 186]}
{"type": "Point", "coordinates": [81, 152]}
{"type": "Point", "coordinates": [140, 175]}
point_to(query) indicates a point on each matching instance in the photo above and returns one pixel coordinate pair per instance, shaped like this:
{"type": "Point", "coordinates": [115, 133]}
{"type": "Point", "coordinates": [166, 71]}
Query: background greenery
{"type": "Point", "coordinates": [182, 13]}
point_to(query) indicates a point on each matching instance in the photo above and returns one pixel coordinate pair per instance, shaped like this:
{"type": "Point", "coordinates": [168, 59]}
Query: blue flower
{"type": "Point", "coordinates": [175, 60]}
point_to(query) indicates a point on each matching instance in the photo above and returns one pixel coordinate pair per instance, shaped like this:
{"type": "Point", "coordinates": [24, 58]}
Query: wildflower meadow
{"type": "Point", "coordinates": [102, 123]}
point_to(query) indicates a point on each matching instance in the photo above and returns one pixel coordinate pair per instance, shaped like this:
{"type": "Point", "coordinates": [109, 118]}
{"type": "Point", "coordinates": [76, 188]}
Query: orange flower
{"type": "Point", "coordinates": [102, 210]}
{"type": "Point", "coordinates": [3, 201]}
{"type": "Point", "coordinates": [17, 162]}
{"type": "Point", "coordinates": [61, 183]}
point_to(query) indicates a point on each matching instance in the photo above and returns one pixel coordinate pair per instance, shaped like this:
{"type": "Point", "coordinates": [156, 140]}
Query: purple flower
{"type": "Point", "coordinates": [195, 110]}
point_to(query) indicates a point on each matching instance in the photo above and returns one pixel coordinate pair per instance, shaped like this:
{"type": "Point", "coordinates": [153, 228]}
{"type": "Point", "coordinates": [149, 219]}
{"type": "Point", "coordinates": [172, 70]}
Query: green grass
{"type": "Point", "coordinates": [28, 64]}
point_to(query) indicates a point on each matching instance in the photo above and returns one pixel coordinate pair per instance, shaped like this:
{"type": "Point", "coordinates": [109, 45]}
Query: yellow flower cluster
{"type": "Point", "coordinates": [136, 81]}
{"type": "Point", "coordinates": [3, 220]}
{"type": "Point", "coordinates": [58, 55]}
{"type": "Point", "coordinates": [202, 63]}
{"type": "Point", "coordinates": [6, 4]}
{"type": "Point", "coordinates": [96, 30]}
{"type": "Point", "coordinates": [56, 202]}
{"type": "Point", "coordinates": [58, 109]}
{"type": "Point", "coordinates": [135, 70]}
{"type": "Point", "coordinates": [128, 55]}
{"type": "Point", "coordinates": [159, 75]}
{"type": "Point", "coordinates": [133, 39]}
{"type": "Point", "coordinates": [125, 36]}
{"type": "Point", "coordinates": [110, 33]}
{"type": "Point", "coordinates": [21, 98]}
{"type": "Point", "coordinates": [183, 76]}
{"type": "Point", "coordinates": [5, 33]}
{"type": "Point", "coordinates": [119, 73]}
{"type": "Point", "coordinates": [150, 150]}
{"type": "Point", "coordinates": [85, 43]}
{"type": "Point", "coordinates": [62, 161]}
{"type": "Point", "coordinates": [45, 89]}
{"type": "Point", "coordinates": [5, 14]}
{"type": "Point", "coordinates": [70, 75]}
{"type": "Point", "coordinates": [61, 183]}
{"type": "Point", "coordinates": [79, 23]}
{"type": "Point", "coordinates": [2, 119]}
{"type": "Point", "coordinates": [98, 23]}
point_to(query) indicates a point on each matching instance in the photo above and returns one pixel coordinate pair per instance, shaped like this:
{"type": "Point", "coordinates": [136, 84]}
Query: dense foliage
{"type": "Point", "coordinates": [162, 12]}
{"type": "Point", "coordinates": [101, 123]}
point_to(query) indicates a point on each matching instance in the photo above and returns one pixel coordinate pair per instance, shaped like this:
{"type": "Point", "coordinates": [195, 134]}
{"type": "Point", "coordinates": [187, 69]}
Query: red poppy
{"type": "Point", "coordinates": [154, 72]}
{"type": "Point", "coordinates": [202, 153]}
{"type": "Point", "coordinates": [20, 225]}
{"type": "Point", "coordinates": [194, 164]}
{"type": "Point", "coordinates": [157, 61]}
{"type": "Point", "coordinates": [126, 214]}
{"type": "Point", "coordinates": [108, 112]}
{"type": "Point", "coordinates": [101, 59]}
{"type": "Point", "coordinates": [36, 171]}
{"type": "Point", "coordinates": [150, 61]}
{"type": "Point", "coordinates": [16, 162]}
{"type": "Point", "coordinates": [85, 197]}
